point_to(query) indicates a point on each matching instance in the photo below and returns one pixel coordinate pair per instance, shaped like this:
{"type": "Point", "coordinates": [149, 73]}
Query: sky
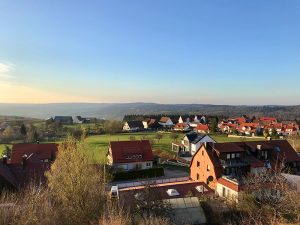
{"type": "Point", "coordinates": [197, 51]}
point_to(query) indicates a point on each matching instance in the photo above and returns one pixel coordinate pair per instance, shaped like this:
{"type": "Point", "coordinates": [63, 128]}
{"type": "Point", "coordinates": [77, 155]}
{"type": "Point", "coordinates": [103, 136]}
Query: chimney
{"type": "Point", "coordinates": [258, 147]}
{"type": "Point", "coordinates": [24, 158]}
{"type": "Point", "coordinates": [4, 158]}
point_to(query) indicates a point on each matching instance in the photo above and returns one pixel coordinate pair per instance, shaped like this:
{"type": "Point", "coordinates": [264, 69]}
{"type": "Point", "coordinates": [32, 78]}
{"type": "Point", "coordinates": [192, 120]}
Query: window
{"type": "Point", "coordinates": [202, 152]}
{"type": "Point", "coordinates": [237, 155]}
{"type": "Point", "coordinates": [228, 156]}
{"type": "Point", "coordinates": [148, 164]}
{"type": "Point", "coordinates": [198, 176]}
{"type": "Point", "coordinates": [223, 192]}
{"type": "Point", "coordinates": [208, 168]}
{"type": "Point", "coordinates": [232, 155]}
{"type": "Point", "coordinates": [198, 164]}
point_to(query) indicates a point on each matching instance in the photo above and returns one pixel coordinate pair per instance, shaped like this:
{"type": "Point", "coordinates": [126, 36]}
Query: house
{"type": "Point", "coordinates": [222, 165]}
{"type": "Point", "coordinates": [248, 128]}
{"type": "Point", "coordinates": [63, 119]}
{"type": "Point", "coordinates": [184, 119]}
{"type": "Point", "coordinates": [227, 127]}
{"type": "Point", "coordinates": [80, 120]}
{"type": "Point", "coordinates": [133, 126]}
{"type": "Point", "coordinates": [202, 128]}
{"type": "Point", "coordinates": [166, 122]}
{"type": "Point", "coordinates": [181, 127]}
{"type": "Point", "coordinates": [191, 142]}
{"type": "Point", "coordinates": [27, 163]}
{"type": "Point", "coordinates": [130, 155]}
{"type": "Point", "coordinates": [148, 123]}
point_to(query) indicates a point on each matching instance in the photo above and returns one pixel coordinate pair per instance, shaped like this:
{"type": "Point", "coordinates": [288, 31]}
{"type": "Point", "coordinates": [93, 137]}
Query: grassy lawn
{"type": "Point", "coordinates": [2, 147]}
{"type": "Point", "coordinates": [97, 145]}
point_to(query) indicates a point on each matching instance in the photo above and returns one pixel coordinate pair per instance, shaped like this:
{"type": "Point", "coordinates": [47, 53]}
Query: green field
{"type": "Point", "coordinates": [97, 145]}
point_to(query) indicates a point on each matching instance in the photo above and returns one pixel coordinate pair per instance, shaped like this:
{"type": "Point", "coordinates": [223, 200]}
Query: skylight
{"type": "Point", "coordinates": [172, 192]}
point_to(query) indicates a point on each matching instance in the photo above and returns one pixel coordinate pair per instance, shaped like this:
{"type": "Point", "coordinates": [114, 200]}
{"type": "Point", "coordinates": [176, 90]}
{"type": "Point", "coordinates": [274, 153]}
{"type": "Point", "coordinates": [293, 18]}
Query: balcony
{"type": "Point", "coordinates": [233, 163]}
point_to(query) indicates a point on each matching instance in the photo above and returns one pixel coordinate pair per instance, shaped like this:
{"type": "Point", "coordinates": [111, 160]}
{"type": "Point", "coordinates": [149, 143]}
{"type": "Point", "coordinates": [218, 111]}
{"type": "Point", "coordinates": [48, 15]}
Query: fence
{"type": "Point", "coordinates": [150, 181]}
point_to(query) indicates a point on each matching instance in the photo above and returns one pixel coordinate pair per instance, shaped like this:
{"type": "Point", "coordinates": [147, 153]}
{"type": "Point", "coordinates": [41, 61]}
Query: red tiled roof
{"type": "Point", "coordinates": [229, 184]}
{"type": "Point", "coordinates": [131, 151]}
{"type": "Point", "coordinates": [268, 119]}
{"type": "Point", "coordinates": [203, 127]}
{"type": "Point", "coordinates": [180, 125]}
{"type": "Point", "coordinates": [44, 151]}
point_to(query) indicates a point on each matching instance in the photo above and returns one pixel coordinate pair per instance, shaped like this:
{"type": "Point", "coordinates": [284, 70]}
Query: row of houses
{"type": "Point", "coordinates": [245, 126]}
{"type": "Point", "coordinates": [68, 119]}
{"type": "Point", "coordinates": [215, 167]}
{"type": "Point", "coordinates": [220, 168]}
{"type": "Point", "coordinates": [180, 123]}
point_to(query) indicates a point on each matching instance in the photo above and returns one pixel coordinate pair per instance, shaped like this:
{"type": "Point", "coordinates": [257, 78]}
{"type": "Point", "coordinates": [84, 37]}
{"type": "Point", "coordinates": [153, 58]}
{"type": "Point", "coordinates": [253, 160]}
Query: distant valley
{"type": "Point", "coordinates": [118, 110]}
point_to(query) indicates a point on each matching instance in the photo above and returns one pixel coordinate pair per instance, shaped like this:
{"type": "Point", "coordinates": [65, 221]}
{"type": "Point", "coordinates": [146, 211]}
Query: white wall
{"type": "Point", "coordinates": [229, 193]}
{"type": "Point", "coordinates": [135, 165]}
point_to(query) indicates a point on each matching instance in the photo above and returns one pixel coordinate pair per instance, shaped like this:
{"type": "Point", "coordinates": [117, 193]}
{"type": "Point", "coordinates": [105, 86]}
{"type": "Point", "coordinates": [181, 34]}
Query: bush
{"type": "Point", "coordinates": [137, 174]}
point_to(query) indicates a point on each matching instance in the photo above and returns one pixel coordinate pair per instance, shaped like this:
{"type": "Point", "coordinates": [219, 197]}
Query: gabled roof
{"type": "Point", "coordinates": [134, 123]}
{"type": "Point", "coordinates": [131, 151]}
{"type": "Point", "coordinates": [63, 119]}
{"type": "Point", "coordinates": [194, 137]}
{"type": "Point", "coordinates": [44, 151]}
{"type": "Point", "coordinates": [164, 119]}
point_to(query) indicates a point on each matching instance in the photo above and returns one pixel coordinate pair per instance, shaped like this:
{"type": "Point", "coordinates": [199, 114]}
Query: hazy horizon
{"type": "Point", "coordinates": [166, 52]}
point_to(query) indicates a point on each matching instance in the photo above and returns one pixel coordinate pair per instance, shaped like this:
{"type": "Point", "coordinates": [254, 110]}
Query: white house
{"type": "Point", "coordinates": [191, 141]}
{"type": "Point", "coordinates": [133, 126]}
{"type": "Point", "coordinates": [166, 121]}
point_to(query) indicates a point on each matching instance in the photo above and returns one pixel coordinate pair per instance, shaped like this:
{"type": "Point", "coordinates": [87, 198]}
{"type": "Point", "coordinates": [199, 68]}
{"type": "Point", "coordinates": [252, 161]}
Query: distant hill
{"type": "Point", "coordinates": [118, 110]}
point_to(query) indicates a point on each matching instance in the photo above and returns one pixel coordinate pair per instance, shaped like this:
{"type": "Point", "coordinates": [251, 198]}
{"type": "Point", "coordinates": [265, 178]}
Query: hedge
{"type": "Point", "coordinates": [137, 174]}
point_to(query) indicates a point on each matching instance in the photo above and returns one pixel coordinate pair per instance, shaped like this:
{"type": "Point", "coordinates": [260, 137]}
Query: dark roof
{"type": "Point", "coordinates": [7, 174]}
{"type": "Point", "coordinates": [63, 119]}
{"type": "Point", "coordinates": [131, 151]}
{"type": "Point", "coordinates": [282, 146]}
{"type": "Point", "coordinates": [44, 151]}
{"type": "Point", "coordinates": [185, 189]}
{"type": "Point", "coordinates": [194, 137]}
{"type": "Point", "coordinates": [134, 124]}
{"type": "Point", "coordinates": [229, 147]}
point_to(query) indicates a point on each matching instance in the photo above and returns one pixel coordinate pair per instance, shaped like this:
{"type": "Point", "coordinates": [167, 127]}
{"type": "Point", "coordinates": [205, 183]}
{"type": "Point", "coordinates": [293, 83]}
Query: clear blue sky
{"type": "Point", "coordinates": [165, 51]}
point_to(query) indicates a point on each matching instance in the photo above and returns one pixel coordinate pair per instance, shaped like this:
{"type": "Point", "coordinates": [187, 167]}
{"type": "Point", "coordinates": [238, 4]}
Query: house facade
{"type": "Point", "coordinates": [130, 155]}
